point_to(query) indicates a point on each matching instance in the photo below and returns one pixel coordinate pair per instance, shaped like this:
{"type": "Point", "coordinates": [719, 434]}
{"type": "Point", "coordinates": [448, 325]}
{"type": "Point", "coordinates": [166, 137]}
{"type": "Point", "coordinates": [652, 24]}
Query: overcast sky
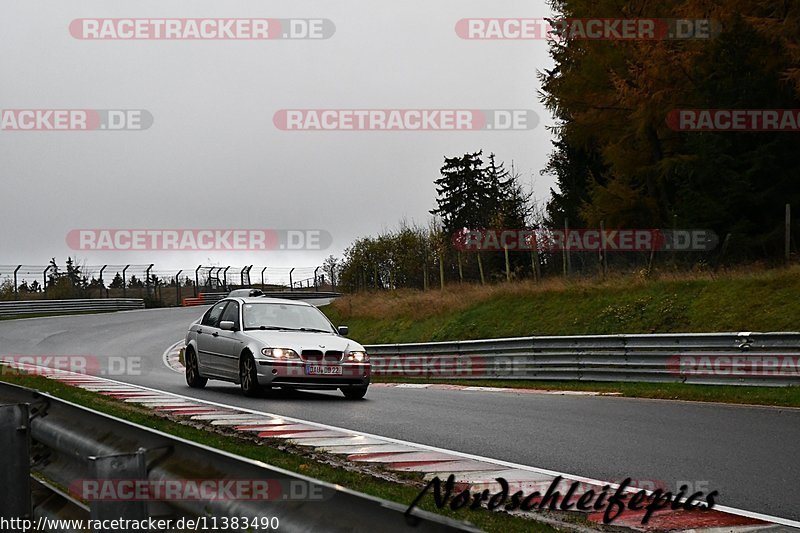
{"type": "Point", "coordinates": [214, 159]}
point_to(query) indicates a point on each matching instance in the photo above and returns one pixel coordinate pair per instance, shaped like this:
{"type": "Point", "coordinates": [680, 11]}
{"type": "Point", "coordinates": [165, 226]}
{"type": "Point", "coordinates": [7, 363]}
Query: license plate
{"type": "Point", "coordinates": [323, 370]}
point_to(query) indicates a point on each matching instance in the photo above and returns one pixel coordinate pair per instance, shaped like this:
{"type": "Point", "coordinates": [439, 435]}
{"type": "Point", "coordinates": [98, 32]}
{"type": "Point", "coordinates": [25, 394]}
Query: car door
{"type": "Point", "coordinates": [207, 335]}
{"type": "Point", "coordinates": [229, 344]}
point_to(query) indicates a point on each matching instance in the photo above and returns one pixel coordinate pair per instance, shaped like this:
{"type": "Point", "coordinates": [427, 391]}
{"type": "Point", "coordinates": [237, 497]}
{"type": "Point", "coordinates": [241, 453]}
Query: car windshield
{"type": "Point", "coordinates": [285, 317]}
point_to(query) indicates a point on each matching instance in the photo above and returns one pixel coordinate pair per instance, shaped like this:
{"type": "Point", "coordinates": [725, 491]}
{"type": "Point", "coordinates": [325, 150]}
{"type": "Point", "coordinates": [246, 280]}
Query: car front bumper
{"type": "Point", "coordinates": [293, 374]}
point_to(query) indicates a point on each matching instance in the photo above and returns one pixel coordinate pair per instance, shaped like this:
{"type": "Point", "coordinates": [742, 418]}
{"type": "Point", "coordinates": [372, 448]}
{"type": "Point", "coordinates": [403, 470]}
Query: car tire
{"type": "Point", "coordinates": [354, 393]}
{"type": "Point", "coordinates": [248, 375]}
{"type": "Point", "coordinates": [193, 377]}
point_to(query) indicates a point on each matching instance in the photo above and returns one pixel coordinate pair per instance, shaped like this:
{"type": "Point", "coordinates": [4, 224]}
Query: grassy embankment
{"type": "Point", "coordinates": [767, 300]}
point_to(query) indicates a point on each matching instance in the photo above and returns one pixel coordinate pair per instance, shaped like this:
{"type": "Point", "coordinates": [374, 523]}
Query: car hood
{"type": "Point", "coordinates": [301, 340]}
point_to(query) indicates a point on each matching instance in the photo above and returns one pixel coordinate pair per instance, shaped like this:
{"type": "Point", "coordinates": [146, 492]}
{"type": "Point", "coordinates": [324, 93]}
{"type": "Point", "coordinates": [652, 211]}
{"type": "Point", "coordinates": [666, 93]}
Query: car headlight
{"type": "Point", "coordinates": [280, 353]}
{"type": "Point", "coordinates": [358, 357]}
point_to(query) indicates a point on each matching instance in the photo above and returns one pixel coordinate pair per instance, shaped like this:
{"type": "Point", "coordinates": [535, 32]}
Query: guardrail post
{"type": "Point", "coordinates": [16, 292]}
{"type": "Point", "coordinates": [110, 468]}
{"type": "Point", "coordinates": [15, 443]}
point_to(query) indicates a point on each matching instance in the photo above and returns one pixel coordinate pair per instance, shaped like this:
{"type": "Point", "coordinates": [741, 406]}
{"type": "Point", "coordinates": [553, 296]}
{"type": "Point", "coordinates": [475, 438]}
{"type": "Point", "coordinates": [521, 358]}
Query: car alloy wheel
{"type": "Point", "coordinates": [248, 375]}
{"type": "Point", "coordinates": [193, 378]}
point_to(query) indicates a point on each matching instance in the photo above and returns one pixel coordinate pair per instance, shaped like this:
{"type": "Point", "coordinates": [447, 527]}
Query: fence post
{"type": "Point", "coordinates": [508, 263]}
{"type": "Point", "coordinates": [722, 251]}
{"type": "Point", "coordinates": [197, 280]}
{"type": "Point", "coordinates": [603, 262]}
{"type": "Point", "coordinates": [291, 282]}
{"type": "Point", "coordinates": [425, 271]}
{"type": "Point", "coordinates": [565, 259]}
{"type": "Point", "coordinates": [441, 270]}
{"type": "Point", "coordinates": [225, 278]}
{"type": "Point", "coordinates": [103, 283]}
{"type": "Point", "coordinates": [316, 287]}
{"type": "Point", "coordinates": [16, 292]}
{"type": "Point", "coordinates": [126, 466]}
{"type": "Point", "coordinates": [15, 442]}
{"type": "Point", "coordinates": [788, 238]}
{"type": "Point", "coordinates": [480, 268]}
{"type": "Point", "coordinates": [125, 281]}
{"type": "Point", "coordinates": [44, 278]}
{"type": "Point", "coordinates": [147, 278]}
{"type": "Point", "coordinates": [178, 288]}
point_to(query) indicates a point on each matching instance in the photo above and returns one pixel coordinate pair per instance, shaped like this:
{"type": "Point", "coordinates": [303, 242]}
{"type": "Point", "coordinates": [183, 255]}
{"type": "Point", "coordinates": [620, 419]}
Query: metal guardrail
{"type": "Point", "coordinates": [70, 444]}
{"type": "Point", "coordinates": [762, 359]}
{"type": "Point", "coordinates": [208, 298]}
{"type": "Point", "coordinates": [35, 307]}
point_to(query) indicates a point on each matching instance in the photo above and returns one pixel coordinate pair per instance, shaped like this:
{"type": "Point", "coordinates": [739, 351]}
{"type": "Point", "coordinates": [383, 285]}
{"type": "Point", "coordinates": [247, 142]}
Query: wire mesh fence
{"type": "Point", "coordinates": [157, 285]}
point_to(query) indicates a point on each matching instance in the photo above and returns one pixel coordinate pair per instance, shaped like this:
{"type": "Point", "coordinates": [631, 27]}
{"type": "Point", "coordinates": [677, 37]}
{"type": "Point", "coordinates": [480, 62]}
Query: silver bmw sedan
{"type": "Point", "coordinates": [268, 342]}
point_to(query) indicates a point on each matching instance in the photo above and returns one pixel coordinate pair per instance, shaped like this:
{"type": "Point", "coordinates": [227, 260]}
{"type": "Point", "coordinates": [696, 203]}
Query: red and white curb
{"type": "Point", "coordinates": [471, 471]}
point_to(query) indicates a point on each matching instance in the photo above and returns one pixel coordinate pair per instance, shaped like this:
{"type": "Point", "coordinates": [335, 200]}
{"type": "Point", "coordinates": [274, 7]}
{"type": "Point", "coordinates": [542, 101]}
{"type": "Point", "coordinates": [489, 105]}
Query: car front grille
{"type": "Point", "coordinates": [318, 356]}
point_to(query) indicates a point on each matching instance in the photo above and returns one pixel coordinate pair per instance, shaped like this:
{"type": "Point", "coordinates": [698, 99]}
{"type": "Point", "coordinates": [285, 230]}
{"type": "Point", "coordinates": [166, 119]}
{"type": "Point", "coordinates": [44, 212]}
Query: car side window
{"type": "Point", "coordinates": [212, 317]}
{"type": "Point", "coordinates": [231, 314]}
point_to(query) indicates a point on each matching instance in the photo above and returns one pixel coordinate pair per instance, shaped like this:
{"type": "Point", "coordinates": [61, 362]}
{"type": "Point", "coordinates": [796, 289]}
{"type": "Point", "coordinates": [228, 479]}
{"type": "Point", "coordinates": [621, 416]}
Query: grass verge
{"type": "Point", "coordinates": [401, 488]}
{"type": "Point", "coordinates": [671, 303]}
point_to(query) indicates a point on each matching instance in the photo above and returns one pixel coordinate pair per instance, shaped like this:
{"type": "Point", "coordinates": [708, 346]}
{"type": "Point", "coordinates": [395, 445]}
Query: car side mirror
{"type": "Point", "coordinates": [227, 325]}
{"type": "Point", "coordinates": [343, 330]}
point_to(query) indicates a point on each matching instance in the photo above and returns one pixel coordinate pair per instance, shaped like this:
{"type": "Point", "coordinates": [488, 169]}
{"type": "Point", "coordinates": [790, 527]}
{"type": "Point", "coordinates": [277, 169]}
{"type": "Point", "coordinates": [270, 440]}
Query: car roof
{"type": "Point", "coordinates": [265, 300]}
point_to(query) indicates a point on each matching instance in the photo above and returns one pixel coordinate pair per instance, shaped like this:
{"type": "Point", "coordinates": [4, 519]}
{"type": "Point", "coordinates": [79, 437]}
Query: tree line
{"type": "Point", "coordinates": [616, 160]}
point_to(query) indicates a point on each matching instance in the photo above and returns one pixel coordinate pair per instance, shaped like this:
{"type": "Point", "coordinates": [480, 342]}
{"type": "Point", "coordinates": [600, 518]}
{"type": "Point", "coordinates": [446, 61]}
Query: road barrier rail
{"type": "Point", "coordinates": [47, 307]}
{"type": "Point", "coordinates": [744, 358]}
